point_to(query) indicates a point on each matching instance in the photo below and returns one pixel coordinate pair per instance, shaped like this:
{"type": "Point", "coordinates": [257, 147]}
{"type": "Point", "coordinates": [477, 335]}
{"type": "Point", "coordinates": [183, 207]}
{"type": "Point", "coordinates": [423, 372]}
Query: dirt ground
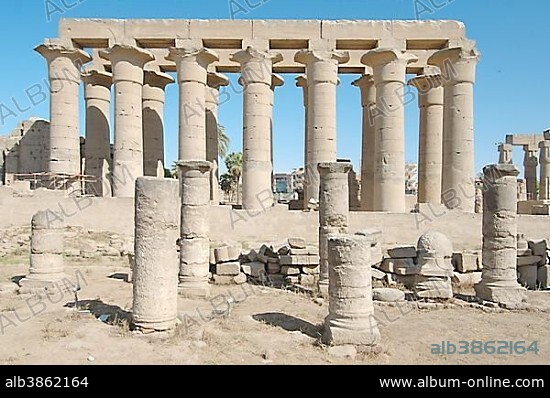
{"type": "Point", "coordinates": [244, 324]}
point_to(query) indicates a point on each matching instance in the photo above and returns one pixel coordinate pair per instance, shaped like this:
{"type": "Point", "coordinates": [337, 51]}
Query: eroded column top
{"type": "Point", "coordinates": [277, 81]}
{"type": "Point", "coordinates": [63, 59]}
{"type": "Point", "coordinates": [334, 167]}
{"type": "Point", "coordinates": [201, 166]}
{"type": "Point", "coordinates": [367, 87]}
{"type": "Point", "coordinates": [46, 220]}
{"type": "Point", "coordinates": [457, 64]}
{"type": "Point", "coordinates": [157, 79]}
{"type": "Point", "coordinates": [216, 80]}
{"type": "Point", "coordinates": [495, 171]}
{"type": "Point", "coordinates": [388, 64]}
{"type": "Point", "coordinates": [123, 52]}
{"type": "Point", "coordinates": [97, 77]}
{"type": "Point", "coordinates": [257, 66]}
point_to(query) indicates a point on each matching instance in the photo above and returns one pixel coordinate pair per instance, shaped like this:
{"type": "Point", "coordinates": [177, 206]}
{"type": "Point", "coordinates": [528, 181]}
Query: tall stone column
{"type": "Point", "coordinates": [155, 278]}
{"type": "Point", "coordinates": [192, 65]}
{"type": "Point", "coordinates": [333, 212]}
{"type": "Point", "coordinates": [127, 64]}
{"type": "Point", "coordinates": [430, 151]}
{"type": "Point", "coordinates": [97, 93]}
{"type": "Point", "coordinates": [389, 69]}
{"type": "Point", "coordinates": [505, 154]}
{"type": "Point", "coordinates": [63, 144]}
{"type": "Point", "coordinates": [458, 70]}
{"type": "Point", "coordinates": [214, 82]}
{"type": "Point", "coordinates": [530, 163]}
{"type": "Point", "coordinates": [351, 311]}
{"type": "Point", "coordinates": [544, 193]}
{"type": "Point", "coordinates": [195, 238]}
{"type": "Point", "coordinates": [47, 268]}
{"type": "Point", "coordinates": [154, 86]}
{"type": "Point", "coordinates": [276, 81]}
{"type": "Point", "coordinates": [301, 81]}
{"type": "Point", "coordinates": [368, 147]}
{"type": "Point", "coordinates": [499, 279]}
{"type": "Point", "coordinates": [256, 78]}
{"type": "Point", "coordinates": [322, 79]}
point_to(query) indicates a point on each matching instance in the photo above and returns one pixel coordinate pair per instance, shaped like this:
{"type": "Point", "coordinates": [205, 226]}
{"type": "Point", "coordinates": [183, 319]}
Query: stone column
{"type": "Point", "coordinates": [192, 65]}
{"type": "Point", "coordinates": [458, 69]}
{"type": "Point", "coordinates": [333, 211]}
{"type": "Point", "coordinates": [430, 151]}
{"type": "Point", "coordinates": [214, 82]}
{"type": "Point", "coordinates": [351, 311]}
{"type": "Point", "coordinates": [154, 85]}
{"type": "Point", "coordinates": [544, 193]}
{"type": "Point", "coordinates": [322, 79]}
{"type": "Point", "coordinates": [301, 81]}
{"type": "Point", "coordinates": [499, 280]}
{"type": "Point", "coordinates": [97, 93]}
{"type": "Point", "coordinates": [127, 64]}
{"type": "Point", "coordinates": [276, 81]}
{"type": "Point", "coordinates": [155, 274]}
{"type": "Point", "coordinates": [256, 78]}
{"type": "Point", "coordinates": [195, 241]}
{"type": "Point", "coordinates": [47, 268]}
{"type": "Point", "coordinates": [368, 148]}
{"type": "Point", "coordinates": [530, 163]}
{"type": "Point", "coordinates": [63, 144]}
{"type": "Point", "coordinates": [389, 69]}
{"type": "Point", "coordinates": [505, 154]}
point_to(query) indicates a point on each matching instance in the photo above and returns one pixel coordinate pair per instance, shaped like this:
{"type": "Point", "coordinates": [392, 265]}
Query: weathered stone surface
{"type": "Point", "coordinates": [377, 274]}
{"type": "Point", "coordinates": [311, 270]}
{"type": "Point", "coordinates": [500, 238]}
{"type": "Point", "coordinates": [468, 279]}
{"type": "Point", "coordinates": [433, 287]}
{"type": "Point", "coordinates": [538, 247]}
{"type": "Point", "coordinates": [8, 287]}
{"type": "Point", "coordinates": [224, 279]}
{"type": "Point", "coordinates": [351, 312]}
{"type": "Point", "coordinates": [401, 266]}
{"type": "Point", "coordinates": [297, 243]}
{"type": "Point", "coordinates": [402, 252]}
{"type": "Point", "coordinates": [308, 280]}
{"type": "Point", "coordinates": [388, 295]}
{"type": "Point", "coordinates": [273, 268]}
{"type": "Point", "coordinates": [543, 277]}
{"type": "Point", "coordinates": [289, 270]}
{"type": "Point", "coordinates": [465, 262]}
{"type": "Point", "coordinates": [255, 269]}
{"type": "Point", "coordinates": [528, 260]}
{"type": "Point", "coordinates": [299, 260]}
{"type": "Point", "coordinates": [435, 251]}
{"type": "Point", "coordinates": [528, 276]}
{"type": "Point", "coordinates": [231, 268]}
{"type": "Point", "coordinates": [240, 279]}
{"type": "Point", "coordinates": [292, 279]}
{"type": "Point", "coordinates": [155, 273]}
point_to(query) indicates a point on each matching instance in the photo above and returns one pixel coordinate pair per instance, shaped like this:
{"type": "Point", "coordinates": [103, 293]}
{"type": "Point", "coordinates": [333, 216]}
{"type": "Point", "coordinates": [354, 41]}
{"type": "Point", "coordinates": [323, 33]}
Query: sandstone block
{"type": "Point", "coordinates": [239, 279]}
{"type": "Point", "coordinates": [400, 266]}
{"type": "Point", "coordinates": [289, 270]}
{"type": "Point", "coordinates": [230, 268]}
{"type": "Point", "coordinates": [255, 269]}
{"type": "Point", "coordinates": [527, 276]}
{"type": "Point", "coordinates": [311, 270]}
{"type": "Point", "coordinates": [465, 262]}
{"type": "Point", "coordinates": [543, 277]}
{"type": "Point", "coordinates": [273, 268]}
{"type": "Point", "coordinates": [538, 247]}
{"type": "Point", "coordinates": [468, 279]}
{"type": "Point", "coordinates": [402, 252]}
{"type": "Point", "coordinates": [224, 280]}
{"type": "Point", "coordinates": [527, 261]}
{"type": "Point", "coordinates": [297, 243]}
{"type": "Point", "coordinates": [388, 295]}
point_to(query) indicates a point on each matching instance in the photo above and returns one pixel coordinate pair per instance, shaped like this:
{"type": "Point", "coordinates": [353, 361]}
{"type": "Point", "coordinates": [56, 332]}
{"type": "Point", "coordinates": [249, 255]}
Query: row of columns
{"type": "Point", "coordinates": [533, 157]}
{"type": "Point", "coordinates": [445, 101]}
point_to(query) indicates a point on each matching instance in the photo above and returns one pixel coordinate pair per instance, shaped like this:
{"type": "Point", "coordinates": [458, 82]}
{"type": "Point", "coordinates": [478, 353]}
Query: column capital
{"type": "Point", "coordinates": [547, 134]}
{"type": "Point", "coordinates": [203, 56]}
{"type": "Point", "coordinates": [157, 79]}
{"type": "Point", "coordinates": [216, 80]}
{"type": "Point", "coordinates": [457, 64]}
{"type": "Point", "coordinates": [544, 144]}
{"type": "Point", "coordinates": [202, 166]}
{"type": "Point", "coordinates": [123, 52]}
{"type": "Point", "coordinates": [256, 66]}
{"type": "Point", "coordinates": [493, 172]}
{"type": "Point", "coordinates": [505, 147]}
{"type": "Point", "coordinates": [388, 64]}
{"type": "Point", "coordinates": [277, 81]}
{"type": "Point", "coordinates": [430, 89]}
{"type": "Point", "coordinates": [97, 77]}
{"type": "Point", "coordinates": [368, 89]}
{"type": "Point", "coordinates": [544, 152]}
{"type": "Point", "coordinates": [250, 54]}
{"type": "Point", "coordinates": [52, 49]}
{"type": "Point", "coordinates": [301, 81]}
{"type": "Point", "coordinates": [307, 56]}
{"type": "Point", "coordinates": [334, 167]}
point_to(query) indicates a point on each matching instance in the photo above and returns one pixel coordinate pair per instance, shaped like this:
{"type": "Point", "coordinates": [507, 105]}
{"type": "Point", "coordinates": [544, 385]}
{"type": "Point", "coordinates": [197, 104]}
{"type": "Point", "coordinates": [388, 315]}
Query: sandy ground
{"type": "Point", "coordinates": [263, 326]}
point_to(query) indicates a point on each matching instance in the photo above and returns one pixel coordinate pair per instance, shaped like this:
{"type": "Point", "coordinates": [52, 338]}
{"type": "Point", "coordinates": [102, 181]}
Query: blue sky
{"type": "Point", "coordinates": [512, 89]}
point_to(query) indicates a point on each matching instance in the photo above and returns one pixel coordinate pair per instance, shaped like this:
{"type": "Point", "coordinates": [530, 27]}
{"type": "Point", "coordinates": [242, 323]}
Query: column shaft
{"type": "Point", "coordinates": [97, 93]}
{"type": "Point", "coordinates": [389, 69]}
{"type": "Point", "coordinates": [544, 193]}
{"type": "Point", "coordinates": [153, 120]}
{"type": "Point", "coordinates": [458, 71]}
{"type": "Point", "coordinates": [63, 145]}
{"type": "Point", "coordinates": [505, 154]}
{"type": "Point", "coordinates": [530, 163]}
{"type": "Point", "coordinates": [127, 65]}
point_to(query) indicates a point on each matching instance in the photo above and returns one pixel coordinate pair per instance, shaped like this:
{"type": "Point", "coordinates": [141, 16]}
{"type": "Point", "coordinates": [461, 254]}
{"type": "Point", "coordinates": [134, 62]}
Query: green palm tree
{"type": "Point", "coordinates": [223, 141]}
{"type": "Point", "coordinates": [234, 164]}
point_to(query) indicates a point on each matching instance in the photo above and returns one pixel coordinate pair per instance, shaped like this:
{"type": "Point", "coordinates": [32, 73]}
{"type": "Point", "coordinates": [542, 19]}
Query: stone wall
{"type": "Point", "coordinates": [275, 225]}
{"type": "Point", "coordinates": [24, 149]}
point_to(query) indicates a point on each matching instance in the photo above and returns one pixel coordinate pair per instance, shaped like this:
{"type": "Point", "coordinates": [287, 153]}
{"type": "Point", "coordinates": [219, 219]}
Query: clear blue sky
{"type": "Point", "coordinates": [512, 90]}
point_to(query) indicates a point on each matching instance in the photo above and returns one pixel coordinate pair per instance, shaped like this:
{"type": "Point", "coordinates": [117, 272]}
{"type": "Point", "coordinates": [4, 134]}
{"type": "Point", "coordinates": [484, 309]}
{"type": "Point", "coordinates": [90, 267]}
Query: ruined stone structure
{"type": "Point", "coordinates": [155, 274]}
{"type": "Point", "coordinates": [137, 52]}
{"type": "Point", "coordinates": [195, 241]}
{"type": "Point", "coordinates": [333, 212]}
{"type": "Point", "coordinates": [435, 269]}
{"type": "Point", "coordinates": [499, 279]}
{"type": "Point", "coordinates": [47, 266]}
{"type": "Point", "coordinates": [351, 311]}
